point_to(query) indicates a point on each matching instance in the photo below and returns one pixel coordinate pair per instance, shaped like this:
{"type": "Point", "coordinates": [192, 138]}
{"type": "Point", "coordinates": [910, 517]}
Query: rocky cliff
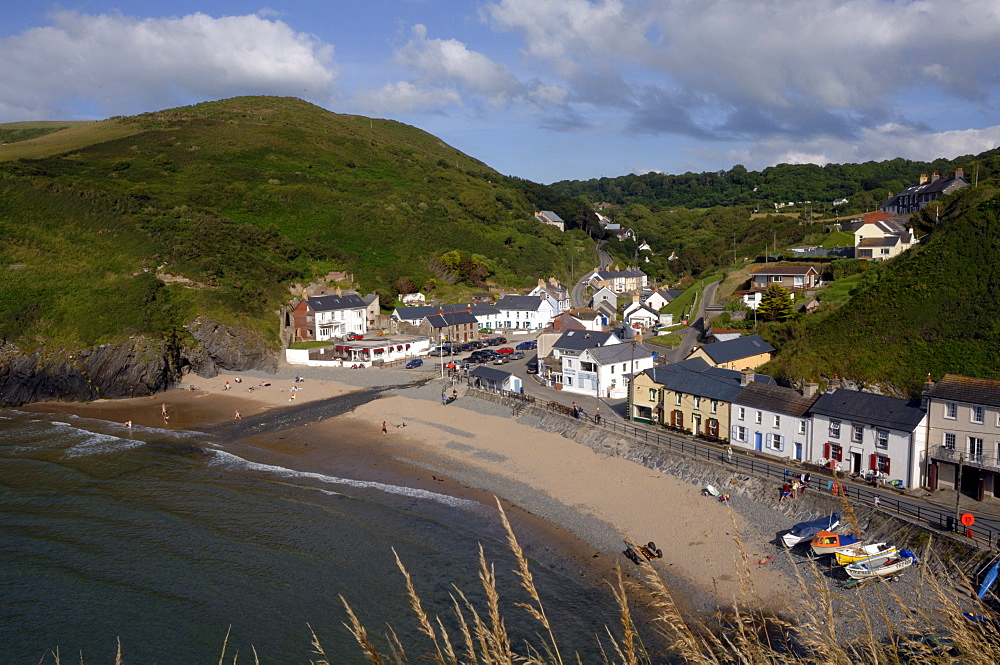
{"type": "Point", "coordinates": [136, 367]}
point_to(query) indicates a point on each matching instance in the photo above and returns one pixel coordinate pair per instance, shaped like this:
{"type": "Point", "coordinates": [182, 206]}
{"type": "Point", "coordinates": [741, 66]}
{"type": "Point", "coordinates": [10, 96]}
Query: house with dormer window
{"type": "Point", "coordinates": [329, 317]}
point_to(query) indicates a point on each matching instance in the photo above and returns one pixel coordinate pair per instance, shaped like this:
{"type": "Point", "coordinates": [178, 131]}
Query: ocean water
{"type": "Point", "coordinates": [164, 541]}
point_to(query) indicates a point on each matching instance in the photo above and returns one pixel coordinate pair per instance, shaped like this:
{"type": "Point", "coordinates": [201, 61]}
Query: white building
{"type": "Point", "coordinates": [773, 420]}
{"type": "Point", "coordinates": [524, 312]}
{"type": "Point", "coordinates": [337, 315]}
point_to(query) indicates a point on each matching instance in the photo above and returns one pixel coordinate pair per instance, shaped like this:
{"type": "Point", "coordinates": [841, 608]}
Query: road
{"type": "Point", "coordinates": [696, 326]}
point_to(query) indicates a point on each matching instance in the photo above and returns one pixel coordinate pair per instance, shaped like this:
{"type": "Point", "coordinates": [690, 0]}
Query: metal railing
{"type": "Point", "coordinates": [955, 457]}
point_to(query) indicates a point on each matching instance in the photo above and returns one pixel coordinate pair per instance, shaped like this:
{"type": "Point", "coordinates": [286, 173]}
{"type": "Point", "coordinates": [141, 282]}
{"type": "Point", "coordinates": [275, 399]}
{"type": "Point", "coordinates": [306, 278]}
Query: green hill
{"type": "Point", "coordinates": [931, 310]}
{"type": "Point", "coordinates": [240, 198]}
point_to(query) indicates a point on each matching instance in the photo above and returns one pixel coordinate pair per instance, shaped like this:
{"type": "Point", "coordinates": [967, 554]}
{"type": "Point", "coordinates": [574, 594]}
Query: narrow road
{"type": "Point", "coordinates": [696, 325]}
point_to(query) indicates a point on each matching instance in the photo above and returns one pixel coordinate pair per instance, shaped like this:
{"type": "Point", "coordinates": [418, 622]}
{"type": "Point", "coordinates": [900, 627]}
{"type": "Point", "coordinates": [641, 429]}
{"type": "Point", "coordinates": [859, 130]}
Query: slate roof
{"type": "Point", "coordinates": [370, 298]}
{"type": "Point", "coordinates": [490, 374]}
{"type": "Point", "coordinates": [966, 389]}
{"type": "Point", "coordinates": [775, 398]}
{"type": "Point", "coordinates": [937, 185]}
{"type": "Point", "coordinates": [578, 340]}
{"type": "Point", "coordinates": [696, 377]}
{"type": "Point", "coordinates": [451, 319]}
{"type": "Point", "coordinates": [332, 303]}
{"type": "Point", "coordinates": [734, 349]}
{"type": "Point", "coordinates": [782, 270]}
{"type": "Point", "coordinates": [871, 409]}
{"type": "Point", "coordinates": [617, 353]}
{"type": "Point", "coordinates": [551, 216]}
{"type": "Point", "coordinates": [523, 303]}
{"type": "Point", "coordinates": [887, 241]}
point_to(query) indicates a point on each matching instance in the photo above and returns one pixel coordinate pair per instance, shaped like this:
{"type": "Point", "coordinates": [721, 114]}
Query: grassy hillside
{"type": "Point", "coordinates": [241, 197]}
{"type": "Point", "coordinates": [931, 310]}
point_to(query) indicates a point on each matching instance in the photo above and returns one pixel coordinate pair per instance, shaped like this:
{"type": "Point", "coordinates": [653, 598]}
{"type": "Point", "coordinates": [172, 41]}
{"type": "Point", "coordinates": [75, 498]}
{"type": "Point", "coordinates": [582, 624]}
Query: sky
{"type": "Point", "coordinates": [545, 89]}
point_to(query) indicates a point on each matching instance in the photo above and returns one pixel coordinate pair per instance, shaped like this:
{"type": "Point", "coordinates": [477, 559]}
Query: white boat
{"type": "Point", "coordinates": [860, 552]}
{"type": "Point", "coordinates": [806, 531]}
{"type": "Point", "coordinates": [880, 566]}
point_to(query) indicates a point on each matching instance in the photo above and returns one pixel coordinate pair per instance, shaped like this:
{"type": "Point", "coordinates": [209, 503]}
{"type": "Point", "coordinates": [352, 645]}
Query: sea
{"type": "Point", "coordinates": [164, 543]}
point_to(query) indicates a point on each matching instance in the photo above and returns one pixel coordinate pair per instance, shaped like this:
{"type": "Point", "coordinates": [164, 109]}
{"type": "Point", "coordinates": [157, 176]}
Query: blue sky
{"type": "Point", "coordinates": [545, 89]}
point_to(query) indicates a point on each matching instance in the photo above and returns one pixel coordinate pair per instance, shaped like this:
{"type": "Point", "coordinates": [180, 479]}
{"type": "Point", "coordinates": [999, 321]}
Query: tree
{"type": "Point", "coordinates": [775, 304]}
{"type": "Point", "coordinates": [405, 285]}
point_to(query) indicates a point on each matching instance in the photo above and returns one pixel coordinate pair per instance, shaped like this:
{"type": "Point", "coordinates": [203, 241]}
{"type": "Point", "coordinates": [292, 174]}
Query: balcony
{"type": "Point", "coordinates": [987, 462]}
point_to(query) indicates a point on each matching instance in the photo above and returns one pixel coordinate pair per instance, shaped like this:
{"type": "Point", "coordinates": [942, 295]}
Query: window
{"type": "Point", "coordinates": [741, 433]}
{"type": "Point", "coordinates": [950, 410]}
{"type": "Point", "coordinates": [949, 441]}
{"type": "Point", "coordinates": [715, 406]}
{"type": "Point", "coordinates": [653, 396]}
{"type": "Point", "coordinates": [802, 426]}
{"type": "Point", "coordinates": [775, 442]}
{"type": "Point", "coordinates": [882, 438]}
{"type": "Point", "coordinates": [677, 399]}
{"type": "Point", "coordinates": [836, 452]}
{"type": "Point", "coordinates": [713, 427]}
{"type": "Point", "coordinates": [975, 447]}
{"type": "Point", "coordinates": [697, 402]}
{"type": "Point", "coordinates": [977, 414]}
{"type": "Point", "coordinates": [857, 433]}
{"type": "Point", "coordinates": [834, 429]}
{"type": "Point", "coordinates": [758, 417]}
{"type": "Point", "coordinates": [777, 420]}
{"type": "Point", "coordinates": [880, 463]}
{"type": "Point", "coordinates": [568, 380]}
{"type": "Point", "coordinates": [741, 413]}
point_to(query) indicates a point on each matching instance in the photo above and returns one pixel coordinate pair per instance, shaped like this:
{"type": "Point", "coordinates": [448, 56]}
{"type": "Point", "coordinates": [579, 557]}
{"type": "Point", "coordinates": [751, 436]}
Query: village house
{"type": "Point", "coordinates": [329, 317]}
{"type": "Point", "coordinates": [660, 298]}
{"type": "Point", "coordinates": [862, 433]}
{"type": "Point", "coordinates": [524, 312]}
{"type": "Point", "coordinates": [789, 276]}
{"type": "Point", "coordinates": [373, 312]}
{"type": "Point", "coordinates": [740, 353]}
{"type": "Point", "coordinates": [773, 419]}
{"type": "Point", "coordinates": [638, 315]}
{"type": "Point", "coordinates": [557, 294]}
{"type": "Point", "coordinates": [963, 429]}
{"type": "Point", "coordinates": [605, 371]}
{"type": "Point", "coordinates": [690, 396]}
{"type": "Point", "coordinates": [495, 380]}
{"type": "Point", "coordinates": [550, 218]}
{"type": "Point", "coordinates": [606, 296]}
{"type": "Point", "coordinates": [880, 236]}
{"type": "Point", "coordinates": [619, 281]}
{"type": "Point", "coordinates": [915, 197]}
{"type": "Point", "coordinates": [450, 327]}
{"type": "Point", "coordinates": [564, 365]}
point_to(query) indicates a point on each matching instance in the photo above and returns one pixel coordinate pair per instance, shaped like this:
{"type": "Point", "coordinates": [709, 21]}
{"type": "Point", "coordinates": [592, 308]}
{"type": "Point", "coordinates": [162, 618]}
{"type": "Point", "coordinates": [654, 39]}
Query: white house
{"type": "Point", "coordinates": [638, 315]}
{"type": "Point", "coordinates": [605, 295]}
{"type": "Point", "coordinates": [550, 218]}
{"type": "Point", "coordinates": [660, 298]}
{"type": "Point", "coordinates": [334, 316]}
{"type": "Point", "coordinates": [524, 312]}
{"type": "Point", "coordinates": [557, 294]}
{"type": "Point", "coordinates": [566, 353]}
{"type": "Point", "coordinates": [864, 432]}
{"type": "Point", "coordinates": [605, 371]}
{"type": "Point", "coordinates": [772, 419]}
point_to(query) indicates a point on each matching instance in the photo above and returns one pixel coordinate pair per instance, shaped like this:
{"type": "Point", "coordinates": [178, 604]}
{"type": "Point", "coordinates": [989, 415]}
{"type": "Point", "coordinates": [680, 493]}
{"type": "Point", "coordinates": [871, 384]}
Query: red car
{"type": "Point", "coordinates": [505, 350]}
{"type": "Point", "coordinates": [353, 337]}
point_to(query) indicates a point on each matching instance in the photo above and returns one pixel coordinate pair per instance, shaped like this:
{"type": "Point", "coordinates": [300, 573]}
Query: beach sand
{"type": "Point", "coordinates": [598, 500]}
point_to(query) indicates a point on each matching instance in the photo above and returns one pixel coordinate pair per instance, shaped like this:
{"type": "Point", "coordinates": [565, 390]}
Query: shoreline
{"type": "Point", "coordinates": [570, 507]}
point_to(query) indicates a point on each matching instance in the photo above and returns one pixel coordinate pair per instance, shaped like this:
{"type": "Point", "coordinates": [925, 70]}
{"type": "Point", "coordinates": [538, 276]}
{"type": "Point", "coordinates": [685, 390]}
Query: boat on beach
{"type": "Point", "coordinates": [806, 531]}
{"type": "Point", "coordinates": [828, 542]}
{"type": "Point", "coordinates": [879, 566]}
{"type": "Point", "coordinates": [862, 552]}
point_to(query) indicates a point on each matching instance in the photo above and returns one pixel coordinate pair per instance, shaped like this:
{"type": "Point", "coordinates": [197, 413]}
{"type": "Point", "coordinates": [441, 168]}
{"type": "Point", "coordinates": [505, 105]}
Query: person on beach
{"type": "Point", "coordinates": [597, 416]}
{"type": "Point", "coordinates": [786, 491]}
{"type": "Point", "coordinates": [877, 501]}
{"type": "Point", "coordinates": [128, 424]}
{"type": "Point", "coordinates": [795, 488]}
{"type": "Point", "coordinates": [384, 430]}
{"type": "Point", "coordinates": [237, 416]}
{"type": "Point", "coordinates": [166, 418]}
{"type": "Point", "coordinates": [729, 454]}
{"type": "Point", "coordinates": [163, 407]}
{"type": "Point", "coordinates": [227, 386]}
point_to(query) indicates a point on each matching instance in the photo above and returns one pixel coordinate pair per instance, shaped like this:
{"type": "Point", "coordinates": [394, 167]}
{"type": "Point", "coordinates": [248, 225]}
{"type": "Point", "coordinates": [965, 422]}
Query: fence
{"type": "Point", "coordinates": [985, 531]}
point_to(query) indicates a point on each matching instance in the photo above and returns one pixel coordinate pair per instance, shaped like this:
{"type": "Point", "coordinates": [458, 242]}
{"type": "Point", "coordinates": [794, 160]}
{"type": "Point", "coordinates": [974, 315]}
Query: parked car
{"type": "Point", "coordinates": [517, 355]}
{"type": "Point", "coordinates": [527, 346]}
{"type": "Point", "coordinates": [500, 360]}
{"type": "Point", "coordinates": [353, 337]}
{"type": "Point", "coordinates": [416, 362]}
{"type": "Point", "coordinates": [506, 350]}
{"type": "Point", "coordinates": [533, 366]}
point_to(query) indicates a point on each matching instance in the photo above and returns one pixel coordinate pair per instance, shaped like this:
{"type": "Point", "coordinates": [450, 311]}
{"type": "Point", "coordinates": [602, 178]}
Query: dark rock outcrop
{"type": "Point", "coordinates": [135, 367]}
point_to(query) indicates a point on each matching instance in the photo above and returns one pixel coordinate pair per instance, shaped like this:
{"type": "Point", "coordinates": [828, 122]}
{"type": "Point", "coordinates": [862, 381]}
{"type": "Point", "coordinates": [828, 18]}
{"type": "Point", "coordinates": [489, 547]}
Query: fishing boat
{"type": "Point", "coordinates": [806, 531]}
{"type": "Point", "coordinates": [860, 552]}
{"type": "Point", "coordinates": [880, 566]}
{"type": "Point", "coordinates": [828, 542]}
{"type": "Point", "coordinates": [989, 579]}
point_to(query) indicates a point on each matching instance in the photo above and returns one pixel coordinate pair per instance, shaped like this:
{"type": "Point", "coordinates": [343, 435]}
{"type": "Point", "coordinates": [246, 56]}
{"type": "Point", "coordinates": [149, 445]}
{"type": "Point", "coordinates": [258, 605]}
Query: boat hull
{"type": "Point", "coordinates": [863, 571]}
{"type": "Point", "coordinates": [861, 553]}
{"type": "Point", "coordinates": [827, 542]}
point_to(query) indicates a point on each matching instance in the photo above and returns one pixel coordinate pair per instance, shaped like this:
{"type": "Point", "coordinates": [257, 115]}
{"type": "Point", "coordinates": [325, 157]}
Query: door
{"type": "Point", "coordinates": [798, 451]}
{"type": "Point", "coordinates": [855, 462]}
{"type": "Point", "coordinates": [696, 424]}
{"type": "Point", "coordinates": [758, 441]}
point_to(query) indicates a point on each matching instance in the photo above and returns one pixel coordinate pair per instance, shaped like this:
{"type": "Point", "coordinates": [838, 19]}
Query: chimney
{"type": "Point", "coordinates": [923, 178]}
{"type": "Point", "coordinates": [746, 377]}
{"type": "Point", "coordinates": [959, 173]}
{"type": "Point", "coordinates": [541, 282]}
{"type": "Point", "coordinates": [809, 389]}
{"type": "Point", "coordinates": [928, 384]}
{"type": "Point", "coordinates": [553, 281]}
{"type": "Point", "coordinates": [339, 292]}
{"type": "Point", "coordinates": [935, 175]}
{"type": "Point", "coordinates": [635, 297]}
{"type": "Point", "coordinates": [834, 384]}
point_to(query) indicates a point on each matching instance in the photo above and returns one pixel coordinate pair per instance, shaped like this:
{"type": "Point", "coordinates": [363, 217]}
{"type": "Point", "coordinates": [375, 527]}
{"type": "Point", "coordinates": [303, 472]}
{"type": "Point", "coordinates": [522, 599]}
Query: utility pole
{"type": "Point", "coordinates": [958, 487]}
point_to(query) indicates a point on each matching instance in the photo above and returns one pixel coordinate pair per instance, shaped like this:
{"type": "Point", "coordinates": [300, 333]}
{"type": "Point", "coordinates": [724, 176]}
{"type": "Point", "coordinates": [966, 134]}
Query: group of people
{"type": "Point", "coordinates": [796, 487]}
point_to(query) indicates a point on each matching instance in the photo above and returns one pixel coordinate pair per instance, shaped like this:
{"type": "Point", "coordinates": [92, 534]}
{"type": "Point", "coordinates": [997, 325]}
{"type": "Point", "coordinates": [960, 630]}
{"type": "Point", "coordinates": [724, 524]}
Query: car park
{"type": "Point", "coordinates": [416, 362]}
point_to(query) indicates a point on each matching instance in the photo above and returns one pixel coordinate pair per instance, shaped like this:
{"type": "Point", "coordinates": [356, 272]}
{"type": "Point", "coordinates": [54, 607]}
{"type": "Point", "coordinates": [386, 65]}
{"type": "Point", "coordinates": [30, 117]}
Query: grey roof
{"type": "Point", "coordinates": [484, 308]}
{"type": "Point", "coordinates": [418, 312]}
{"type": "Point", "coordinates": [616, 353]}
{"type": "Point", "coordinates": [331, 303]}
{"type": "Point", "coordinates": [578, 340]}
{"type": "Point", "coordinates": [870, 409]}
{"type": "Point", "coordinates": [775, 398]}
{"type": "Point", "coordinates": [490, 374]}
{"type": "Point", "coordinates": [734, 349]}
{"type": "Point", "coordinates": [451, 319]}
{"type": "Point", "coordinates": [966, 389]}
{"type": "Point", "coordinates": [782, 270]}
{"type": "Point", "coordinates": [370, 298]}
{"type": "Point", "coordinates": [551, 216]}
{"type": "Point", "coordinates": [528, 303]}
{"type": "Point", "coordinates": [696, 377]}
{"type": "Point", "coordinates": [611, 274]}
{"type": "Point", "coordinates": [931, 186]}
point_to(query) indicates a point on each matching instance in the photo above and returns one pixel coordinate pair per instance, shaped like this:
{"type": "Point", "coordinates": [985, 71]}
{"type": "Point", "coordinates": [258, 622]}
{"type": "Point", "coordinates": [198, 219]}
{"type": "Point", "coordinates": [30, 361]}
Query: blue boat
{"type": "Point", "coordinates": [989, 579]}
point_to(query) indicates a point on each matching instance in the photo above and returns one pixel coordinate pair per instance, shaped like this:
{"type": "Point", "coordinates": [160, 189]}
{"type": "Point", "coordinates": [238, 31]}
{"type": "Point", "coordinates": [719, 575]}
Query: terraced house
{"type": "Point", "coordinates": [690, 396]}
{"type": "Point", "coordinates": [773, 419]}
{"type": "Point", "coordinates": [963, 432]}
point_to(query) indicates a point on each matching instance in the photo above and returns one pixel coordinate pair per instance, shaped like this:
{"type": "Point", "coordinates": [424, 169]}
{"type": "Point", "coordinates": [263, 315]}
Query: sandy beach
{"type": "Point", "coordinates": [473, 448]}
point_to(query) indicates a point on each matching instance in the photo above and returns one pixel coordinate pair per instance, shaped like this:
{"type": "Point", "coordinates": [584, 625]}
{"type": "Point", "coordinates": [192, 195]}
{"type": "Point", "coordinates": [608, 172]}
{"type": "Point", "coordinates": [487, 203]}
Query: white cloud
{"type": "Point", "coordinates": [404, 97]}
{"type": "Point", "coordinates": [121, 64]}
